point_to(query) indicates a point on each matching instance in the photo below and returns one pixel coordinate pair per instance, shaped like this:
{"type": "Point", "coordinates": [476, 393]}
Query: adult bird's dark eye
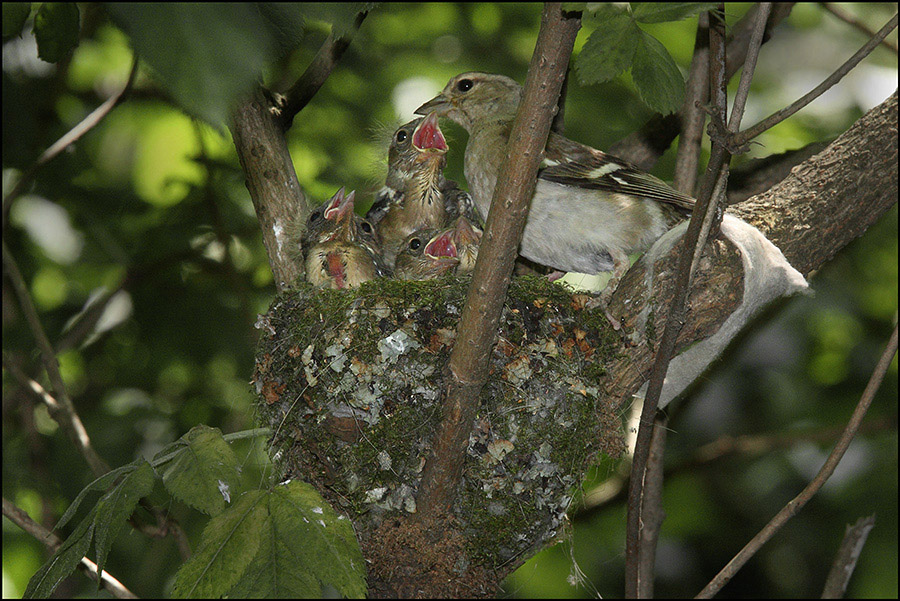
{"type": "Point", "coordinates": [366, 227]}
{"type": "Point", "coordinates": [401, 136]}
{"type": "Point", "coordinates": [415, 244]}
{"type": "Point", "coordinates": [465, 85]}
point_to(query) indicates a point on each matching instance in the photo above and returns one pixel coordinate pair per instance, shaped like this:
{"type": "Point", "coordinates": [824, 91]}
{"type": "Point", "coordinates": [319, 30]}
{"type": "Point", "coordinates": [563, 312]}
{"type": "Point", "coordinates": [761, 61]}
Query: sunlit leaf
{"type": "Point", "coordinates": [656, 76]}
{"type": "Point", "coordinates": [115, 507]}
{"type": "Point", "coordinates": [56, 28]}
{"type": "Point", "coordinates": [609, 50]}
{"type": "Point", "coordinates": [200, 469]}
{"type": "Point", "coordinates": [228, 546]}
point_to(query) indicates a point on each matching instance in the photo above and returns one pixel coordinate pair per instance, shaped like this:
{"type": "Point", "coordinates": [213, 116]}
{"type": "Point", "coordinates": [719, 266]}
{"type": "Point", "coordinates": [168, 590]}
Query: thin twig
{"type": "Point", "coordinates": [692, 115]}
{"type": "Point", "coordinates": [703, 215]}
{"type": "Point", "coordinates": [652, 513]}
{"type": "Point", "coordinates": [66, 414]}
{"type": "Point", "coordinates": [70, 137]}
{"type": "Point", "coordinates": [851, 20]}
{"type": "Point", "coordinates": [24, 521]}
{"type": "Point", "coordinates": [795, 505]}
{"type": "Point", "coordinates": [779, 116]}
{"type": "Point", "coordinates": [848, 554]}
{"type": "Point", "coordinates": [303, 90]}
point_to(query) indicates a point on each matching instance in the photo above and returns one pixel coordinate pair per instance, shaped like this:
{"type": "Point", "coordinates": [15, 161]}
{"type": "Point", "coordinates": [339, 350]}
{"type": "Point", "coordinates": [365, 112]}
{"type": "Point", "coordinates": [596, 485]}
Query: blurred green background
{"type": "Point", "coordinates": [152, 203]}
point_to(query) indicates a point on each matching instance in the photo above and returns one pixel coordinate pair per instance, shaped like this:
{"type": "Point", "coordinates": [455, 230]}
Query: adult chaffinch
{"type": "Point", "coordinates": [590, 210]}
{"type": "Point", "coordinates": [416, 195]}
{"type": "Point", "coordinates": [342, 249]}
{"type": "Point", "coordinates": [430, 253]}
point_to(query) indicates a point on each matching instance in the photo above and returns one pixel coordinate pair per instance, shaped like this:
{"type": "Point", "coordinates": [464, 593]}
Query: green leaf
{"type": "Point", "coordinates": [56, 28]}
{"type": "Point", "coordinates": [63, 562]}
{"type": "Point", "coordinates": [659, 12]}
{"type": "Point", "coordinates": [608, 51]}
{"type": "Point", "coordinates": [574, 7]}
{"type": "Point", "coordinates": [200, 469]}
{"type": "Point", "coordinates": [306, 546]}
{"type": "Point", "coordinates": [14, 16]}
{"type": "Point", "coordinates": [101, 483]}
{"type": "Point", "coordinates": [116, 506]}
{"type": "Point", "coordinates": [207, 55]}
{"type": "Point", "coordinates": [227, 547]}
{"type": "Point", "coordinates": [656, 76]}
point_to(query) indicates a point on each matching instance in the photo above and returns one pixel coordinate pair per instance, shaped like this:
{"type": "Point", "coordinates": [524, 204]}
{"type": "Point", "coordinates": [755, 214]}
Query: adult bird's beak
{"type": "Point", "coordinates": [440, 104]}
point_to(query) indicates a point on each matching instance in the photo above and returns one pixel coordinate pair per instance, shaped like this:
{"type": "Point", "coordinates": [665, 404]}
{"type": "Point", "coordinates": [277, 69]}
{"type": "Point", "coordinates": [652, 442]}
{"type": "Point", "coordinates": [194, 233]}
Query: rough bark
{"type": "Point", "coordinates": [277, 197]}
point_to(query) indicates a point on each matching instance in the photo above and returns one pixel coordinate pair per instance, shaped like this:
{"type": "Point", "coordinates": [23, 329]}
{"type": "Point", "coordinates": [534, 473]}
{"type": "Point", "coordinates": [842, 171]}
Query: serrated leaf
{"type": "Point", "coordinates": [56, 28]}
{"type": "Point", "coordinates": [311, 547]}
{"type": "Point", "coordinates": [660, 12]}
{"type": "Point", "coordinates": [63, 562]}
{"type": "Point", "coordinates": [116, 506]}
{"type": "Point", "coordinates": [229, 543]}
{"type": "Point", "coordinates": [101, 483]}
{"type": "Point", "coordinates": [656, 76]}
{"type": "Point", "coordinates": [206, 55]}
{"type": "Point", "coordinates": [274, 573]}
{"type": "Point", "coordinates": [200, 469]}
{"type": "Point", "coordinates": [609, 50]}
{"type": "Point", "coordinates": [14, 16]}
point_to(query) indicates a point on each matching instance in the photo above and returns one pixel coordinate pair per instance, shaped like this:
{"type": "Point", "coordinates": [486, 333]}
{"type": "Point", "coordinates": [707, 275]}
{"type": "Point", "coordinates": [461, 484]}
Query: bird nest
{"type": "Point", "coordinates": [350, 382]}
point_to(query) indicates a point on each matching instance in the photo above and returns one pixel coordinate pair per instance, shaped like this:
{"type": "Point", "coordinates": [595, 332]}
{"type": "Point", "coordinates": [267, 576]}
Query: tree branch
{"type": "Point", "coordinates": [853, 21]}
{"type": "Point", "coordinates": [23, 521]}
{"type": "Point", "coordinates": [64, 410]}
{"type": "Point", "coordinates": [328, 56]}
{"type": "Point", "coordinates": [795, 505]}
{"type": "Point", "coordinates": [776, 118]}
{"type": "Point", "coordinates": [848, 554]}
{"type": "Point", "coordinates": [505, 223]}
{"type": "Point", "coordinates": [70, 137]}
{"type": "Point", "coordinates": [274, 189]}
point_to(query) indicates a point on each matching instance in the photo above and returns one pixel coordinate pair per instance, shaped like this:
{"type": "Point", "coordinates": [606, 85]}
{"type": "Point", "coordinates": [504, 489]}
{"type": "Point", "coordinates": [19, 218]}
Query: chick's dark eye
{"type": "Point", "coordinates": [464, 85]}
{"type": "Point", "coordinates": [415, 244]}
{"type": "Point", "coordinates": [401, 136]}
{"type": "Point", "coordinates": [314, 217]}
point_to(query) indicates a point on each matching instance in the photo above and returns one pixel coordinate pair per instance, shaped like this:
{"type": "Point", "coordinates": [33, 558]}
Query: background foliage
{"type": "Point", "coordinates": [153, 201]}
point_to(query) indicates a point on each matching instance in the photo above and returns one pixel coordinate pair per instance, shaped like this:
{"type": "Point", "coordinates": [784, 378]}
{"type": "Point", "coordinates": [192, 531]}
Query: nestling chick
{"type": "Point", "coordinates": [590, 210]}
{"type": "Point", "coordinates": [425, 255]}
{"type": "Point", "coordinates": [342, 248]}
{"type": "Point", "coordinates": [430, 253]}
{"type": "Point", "coordinates": [416, 195]}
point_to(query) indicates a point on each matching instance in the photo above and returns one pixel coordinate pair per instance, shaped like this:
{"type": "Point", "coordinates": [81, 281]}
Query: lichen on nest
{"type": "Point", "coordinates": [350, 382]}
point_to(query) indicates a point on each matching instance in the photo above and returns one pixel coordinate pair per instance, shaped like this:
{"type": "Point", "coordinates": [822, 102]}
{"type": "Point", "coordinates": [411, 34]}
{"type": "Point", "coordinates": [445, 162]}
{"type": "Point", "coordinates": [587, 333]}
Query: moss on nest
{"type": "Point", "coordinates": [350, 381]}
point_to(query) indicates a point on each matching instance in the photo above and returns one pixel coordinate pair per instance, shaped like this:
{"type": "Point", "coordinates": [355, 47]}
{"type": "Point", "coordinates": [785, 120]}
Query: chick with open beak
{"type": "Point", "coordinates": [430, 253]}
{"type": "Point", "coordinates": [416, 195]}
{"type": "Point", "coordinates": [342, 249]}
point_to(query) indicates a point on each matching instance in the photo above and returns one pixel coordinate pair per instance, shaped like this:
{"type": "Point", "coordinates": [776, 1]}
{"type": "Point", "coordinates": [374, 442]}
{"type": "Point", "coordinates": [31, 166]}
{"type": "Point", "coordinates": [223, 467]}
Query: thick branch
{"type": "Point", "coordinates": [277, 197]}
{"type": "Point", "coordinates": [505, 223]}
{"type": "Point", "coordinates": [824, 204]}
